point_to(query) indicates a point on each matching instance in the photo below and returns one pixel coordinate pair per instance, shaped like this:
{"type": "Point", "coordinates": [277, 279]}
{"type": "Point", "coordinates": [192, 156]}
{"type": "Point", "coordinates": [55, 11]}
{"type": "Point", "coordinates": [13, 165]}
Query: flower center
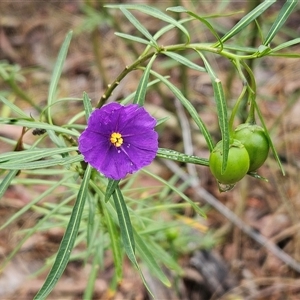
{"type": "Point", "coordinates": [116, 139]}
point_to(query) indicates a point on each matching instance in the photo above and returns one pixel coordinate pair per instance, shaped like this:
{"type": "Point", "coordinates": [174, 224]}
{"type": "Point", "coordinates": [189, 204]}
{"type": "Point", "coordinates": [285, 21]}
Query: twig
{"type": "Point", "coordinates": [226, 212]}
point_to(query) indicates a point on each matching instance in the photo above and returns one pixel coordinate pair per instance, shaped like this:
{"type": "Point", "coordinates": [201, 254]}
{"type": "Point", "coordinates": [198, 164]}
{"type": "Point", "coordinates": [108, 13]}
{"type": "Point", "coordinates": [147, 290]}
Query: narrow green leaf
{"type": "Point", "coordinates": [178, 9]}
{"type": "Point", "coordinates": [33, 154]}
{"type": "Point", "coordinates": [114, 243]}
{"type": "Point", "coordinates": [30, 123]}
{"type": "Point", "coordinates": [38, 227]}
{"type": "Point", "coordinates": [246, 20]}
{"type": "Point", "coordinates": [92, 225]}
{"type": "Point", "coordinates": [140, 95]}
{"type": "Point", "coordinates": [223, 119]}
{"type": "Point", "coordinates": [87, 105]}
{"type": "Point", "coordinates": [183, 60]}
{"type": "Point", "coordinates": [40, 164]}
{"type": "Point", "coordinates": [41, 196]}
{"type": "Point", "coordinates": [14, 108]}
{"type": "Point", "coordinates": [148, 259]}
{"type": "Point", "coordinates": [285, 45]}
{"type": "Point", "coordinates": [156, 13]}
{"type": "Point", "coordinates": [164, 256]}
{"type": "Point", "coordinates": [269, 138]}
{"type": "Point", "coordinates": [221, 109]}
{"type": "Point", "coordinates": [93, 273]}
{"type": "Point", "coordinates": [164, 30]}
{"type": "Point", "coordinates": [197, 209]}
{"type": "Point", "coordinates": [284, 13]}
{"type": "Point", "coordinates": [189, 107]}
{"type": "Point", "coordinates": [161, 121]}
{"type": "Point", "coordinates": [68, 241]}
{"type": "Point", "coordinates": [134, 21]}
{"type": "Point", "coordinates": [125, 235]}
{"type": "Point", "coordinates": [58, 141]}
{"type": "Point", "coordinates": [181, 9]}
{"type": "Point", "coordinates": [5, 183]}
{"type": "Point", "coordinates": [132, 95]}
{"type": "Point", "coordinates": [132, 38]}
{"type": "Point", "coordinates": [177, 156]}
{"type": "Point", "coordinates": [111, 186]}
{"type": "Point", "coordinates": [201, 19]}
{"type": "Point", "coordinates": [57, 72]}
{"type": "Point", "coordinates": [286, 55]}
{"type": "Point", "coordinates": [125, 225]}
{"type": "Point", "coordinates": [209, 26]}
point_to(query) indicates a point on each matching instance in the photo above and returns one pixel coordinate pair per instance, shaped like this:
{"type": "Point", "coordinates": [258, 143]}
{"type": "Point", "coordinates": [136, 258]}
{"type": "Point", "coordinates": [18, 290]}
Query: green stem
{"type": "Point", "coordinates": [173, 48]}
{"type": "Point", "coordinates": [116, 82]}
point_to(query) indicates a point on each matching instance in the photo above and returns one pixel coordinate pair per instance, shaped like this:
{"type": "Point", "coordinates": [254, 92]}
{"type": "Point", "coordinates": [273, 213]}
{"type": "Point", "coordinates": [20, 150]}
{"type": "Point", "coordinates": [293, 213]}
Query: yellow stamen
{"type": "Point", "coordinates": [116, 139]}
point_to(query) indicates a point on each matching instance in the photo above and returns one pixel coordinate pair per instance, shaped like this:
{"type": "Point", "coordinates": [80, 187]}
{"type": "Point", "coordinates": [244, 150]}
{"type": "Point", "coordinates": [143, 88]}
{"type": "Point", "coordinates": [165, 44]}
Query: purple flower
{"type": "Point", "coordinates": [119, 140]}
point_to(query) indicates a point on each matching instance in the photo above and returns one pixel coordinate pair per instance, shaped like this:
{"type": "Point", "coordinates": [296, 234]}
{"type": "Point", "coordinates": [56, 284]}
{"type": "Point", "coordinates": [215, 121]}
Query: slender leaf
{"type": "Point", "coordinates": [29, 123]}
{"type": "Point", "coordinates": [41, 196]}
{"type": "Point", "coordinates": [154, 12]}
{"type": "Point", "coordinates": [285, 45]}
{"type": "Point", "coordinates": [164, 256]}
{"type": "Point", "coordinates": [284, 13]}
{"type": "Point", "coordinates": [13, 107]}
{"type": "Point", "coordinates": [87, 105]}
{"type": "Point", "coordinates": [125, 225]}
{"type": "Point", "coordinates": [269, 138]}
{"type": "Point", "coordinates": [177, 156]}
{"type": "Point", "coordinates": [57, 71]}
{"type": "Point", "coordinates": [183, 60]}
{"type": "Point", "coordinates": [132, 38]}
{"type": "Point", "coordinates": [222, 15]}
{"type": "Point", "coordinates": [223, 119]}
{"type": "Point", "coordinates": [134, 21]}
{"type": "Point", "coordinates": [32, 154]}
{"type": "Point", "coordinates": [38, 226]}
{"type": "Point", "coordinates": [58, 141]}
{"type": "Point", "coordinates": [164, 30]}
{"type": "Point", "coordinates": [41, 163]}
{"type": "Point", "coordinates": [140, 95]}
{"type": "Point", "coordinates": [68, 241]}
{"type": "Point", "coordinates": [178, 9]}
{"type": "Point", "coordinates": [221, 109]}
{"type": "Point", "coordinates": [246, 20]}
{"type": "Point", "coordinates": [5, 183]}
{"type": "Point", "coordinates": [114, 243]}
{"type": "Point", "coordinates": [178, 192]}
{"type": "Point", "coordinates": [119, 215]}
{"type": "Point", "coordinates": [93, 273]}
{"type": "Point", "coordinates": [92, 224]}
{"type": "Point", "coordinates": [111, 186]}
{"type": "Point", "coordinates": [189, 107]}
{"type": "Point", "coordinates": [129, 97]}
{"type": "Point", "coordinates": [201, 19]}
{"type": "Point", "coordinates": [286, 55]}
{"type": "Point", "coordinates": [148, 259]}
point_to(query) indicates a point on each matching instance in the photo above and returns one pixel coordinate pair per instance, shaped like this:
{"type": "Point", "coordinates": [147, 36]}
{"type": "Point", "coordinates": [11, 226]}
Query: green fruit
{"type": "Point", "coordinates": [237, 163]}
{"type": "Point", "coordinates": [254, 139]}
{"type": "Point", "coordinates": [172, 234]}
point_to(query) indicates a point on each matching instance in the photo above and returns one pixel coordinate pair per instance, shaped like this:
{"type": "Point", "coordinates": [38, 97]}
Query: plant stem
{"type": "Point", "coordinates": [172, 48]}
{"type": "Point", "coordinates": [116, 82]}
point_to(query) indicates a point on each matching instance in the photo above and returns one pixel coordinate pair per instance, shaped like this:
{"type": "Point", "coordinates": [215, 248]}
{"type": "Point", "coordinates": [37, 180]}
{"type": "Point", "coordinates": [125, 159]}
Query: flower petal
{"type": "Point", "coordinates": [137, 122]}
{"type": "Point", "coordinates": [140, 141]}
